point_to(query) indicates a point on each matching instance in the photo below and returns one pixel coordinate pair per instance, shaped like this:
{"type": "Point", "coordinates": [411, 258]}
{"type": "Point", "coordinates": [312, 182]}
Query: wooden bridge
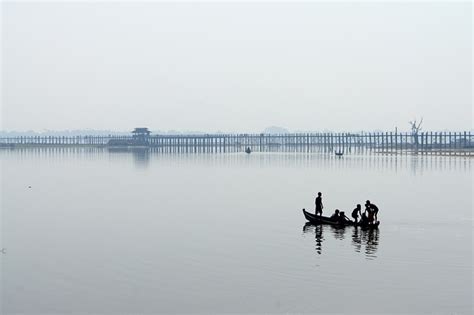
{"type": "Point", "coordinates": [445, 143]}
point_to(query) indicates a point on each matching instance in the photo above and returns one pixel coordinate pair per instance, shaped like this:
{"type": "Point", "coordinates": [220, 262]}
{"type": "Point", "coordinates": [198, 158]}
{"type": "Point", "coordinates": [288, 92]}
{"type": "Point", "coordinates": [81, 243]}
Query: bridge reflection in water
{"type": "Point", "coordinates": [143, 157]}
{"type": "Point", "coordinates": [363, 240]}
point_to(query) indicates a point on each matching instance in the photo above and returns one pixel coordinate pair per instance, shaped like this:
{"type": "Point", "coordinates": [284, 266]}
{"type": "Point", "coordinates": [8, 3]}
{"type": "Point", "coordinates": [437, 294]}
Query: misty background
{"type": "Point", "coordinates": [235, 67]}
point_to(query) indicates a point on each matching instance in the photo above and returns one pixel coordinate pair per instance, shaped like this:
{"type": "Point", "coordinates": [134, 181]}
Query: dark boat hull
{"type": "Point", "coordinates": [314, 219]}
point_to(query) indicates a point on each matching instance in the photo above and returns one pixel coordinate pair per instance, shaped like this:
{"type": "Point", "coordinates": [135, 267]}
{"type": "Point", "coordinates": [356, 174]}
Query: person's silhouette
{"type": "Point", "coordinates": [356, 212]}
{"type": "Point", "coordinates": [319, 204]}
{"type": "Point", "coordinates": [343, 218]}
{"type": "Point", "coordinates": [373, 209]}
{"type": "Point", "coordinates": [335, 215]}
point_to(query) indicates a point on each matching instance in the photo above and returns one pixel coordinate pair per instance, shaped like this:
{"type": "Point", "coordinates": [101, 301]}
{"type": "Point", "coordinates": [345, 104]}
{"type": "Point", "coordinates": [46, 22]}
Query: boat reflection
{"type": "Point", "coordinates": [338, 232]}
{"type": "Point", "coordinates": [364, 241]}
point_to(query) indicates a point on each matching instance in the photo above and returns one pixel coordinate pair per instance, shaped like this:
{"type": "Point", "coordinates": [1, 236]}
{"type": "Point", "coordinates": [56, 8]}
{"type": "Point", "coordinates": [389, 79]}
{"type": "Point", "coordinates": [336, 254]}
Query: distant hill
{"type": "Point", "coordinates": [275, 130]}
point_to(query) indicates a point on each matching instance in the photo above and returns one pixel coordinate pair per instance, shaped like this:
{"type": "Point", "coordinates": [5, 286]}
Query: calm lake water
{"type": "Point", "coordinates": [103, 232]}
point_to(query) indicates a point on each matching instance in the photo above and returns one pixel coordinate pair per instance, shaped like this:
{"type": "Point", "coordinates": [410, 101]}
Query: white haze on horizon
{"type": "Point", "coordinates": [236, 67]}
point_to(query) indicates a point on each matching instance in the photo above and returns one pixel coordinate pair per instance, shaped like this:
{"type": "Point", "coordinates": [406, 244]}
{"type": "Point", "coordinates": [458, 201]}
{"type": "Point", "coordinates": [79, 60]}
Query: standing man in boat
{"type": "Point", "coordinates": [319, 204]}
{"type": "Point", "coordinates": [372, 208]}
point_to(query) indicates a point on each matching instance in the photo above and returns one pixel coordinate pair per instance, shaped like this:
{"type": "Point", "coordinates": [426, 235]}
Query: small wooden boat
{"type": "Point", "coordinates": [316, 219]}
{"type": "Point", "coordinates": [339, 153]}
{"type": "Point", "coordinates": [248, 151]}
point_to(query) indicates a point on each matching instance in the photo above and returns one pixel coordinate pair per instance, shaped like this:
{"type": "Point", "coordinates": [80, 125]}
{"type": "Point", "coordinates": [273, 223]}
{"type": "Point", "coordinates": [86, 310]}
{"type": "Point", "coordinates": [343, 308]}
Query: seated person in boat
{"type": "Point", "coordinates": [373, 207]}
{"type": "Point", "coordinates": [335, 215]}
{"type": "Point", "coordinates": [356, 212]}
{"type": "Point", "coordinates": [343, 218]}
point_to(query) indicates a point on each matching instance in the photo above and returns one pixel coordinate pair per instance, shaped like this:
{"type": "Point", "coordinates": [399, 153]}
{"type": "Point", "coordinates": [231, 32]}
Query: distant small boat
{"type": "Point", "coordinates": [248, 151]}
{"type": "Point", "coordinates": [316, 219]}
{"type": "Point", "coordinates": [339, 153]}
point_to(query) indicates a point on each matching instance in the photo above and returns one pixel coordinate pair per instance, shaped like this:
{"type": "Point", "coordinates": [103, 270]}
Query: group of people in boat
{"type": "Point", "coordinates": [369, 216]}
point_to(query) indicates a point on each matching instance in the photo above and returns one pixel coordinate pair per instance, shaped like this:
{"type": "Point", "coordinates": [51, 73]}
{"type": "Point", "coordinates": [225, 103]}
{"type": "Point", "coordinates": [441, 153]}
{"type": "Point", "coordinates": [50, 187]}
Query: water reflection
{"type": "Point", "coordinates": [318, 231]}
{"type": "Point", "coordinates": [144, 157]}
{"type": "Point", "coordinates": [338, 232]}
{"type": "Point", "coordinates": [363, 240]}
{"type": "Point", "coordinates": [141, 157]}
{"type": "Point", "coordinates": [366, 240]}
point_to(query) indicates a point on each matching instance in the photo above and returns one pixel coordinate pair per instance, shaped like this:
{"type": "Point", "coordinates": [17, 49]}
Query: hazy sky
{"type": "Point", "coordinates": [236, 67]}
